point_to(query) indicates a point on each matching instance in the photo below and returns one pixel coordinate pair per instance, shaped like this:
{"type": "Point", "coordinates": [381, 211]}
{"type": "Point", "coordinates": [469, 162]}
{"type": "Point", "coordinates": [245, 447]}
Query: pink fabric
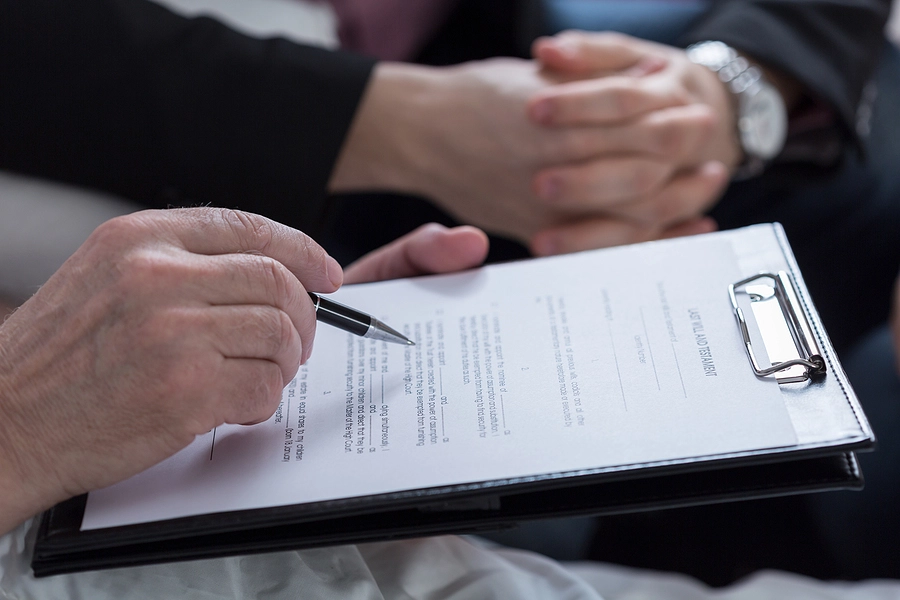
{"type": "Point", "coordinates": [389, 29]}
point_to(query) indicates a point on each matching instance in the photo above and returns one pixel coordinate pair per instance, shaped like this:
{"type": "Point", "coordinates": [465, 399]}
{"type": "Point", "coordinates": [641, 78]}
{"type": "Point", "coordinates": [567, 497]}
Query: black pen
{"type": "Point", "coordinates": [361, 324]}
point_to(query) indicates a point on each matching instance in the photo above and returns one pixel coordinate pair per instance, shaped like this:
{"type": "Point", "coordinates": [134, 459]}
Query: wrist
{"type": "Point", "coordinates": [759, 107]}
{"type": "Point", "coordinates": [23, 485]}
{"type": "Point", "coordinates": [385, 148]}
{"type": "Point", "coordinates": [16, 502]}
{"type": "Point", "coordinates": [726, 145]}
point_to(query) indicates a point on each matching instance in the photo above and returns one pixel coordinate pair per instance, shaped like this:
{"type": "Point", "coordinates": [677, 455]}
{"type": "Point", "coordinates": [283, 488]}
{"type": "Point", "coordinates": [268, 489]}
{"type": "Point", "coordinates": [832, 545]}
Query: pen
{"type": "Point", "coordinates": [361, 324]}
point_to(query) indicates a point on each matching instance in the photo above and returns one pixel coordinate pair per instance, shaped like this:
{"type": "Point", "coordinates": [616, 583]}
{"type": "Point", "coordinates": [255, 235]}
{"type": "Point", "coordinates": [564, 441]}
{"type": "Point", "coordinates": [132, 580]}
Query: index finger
{"type": "Point", "coordinates": [603, 100]}
{"type": "Point", "coordinates": [214, 231]}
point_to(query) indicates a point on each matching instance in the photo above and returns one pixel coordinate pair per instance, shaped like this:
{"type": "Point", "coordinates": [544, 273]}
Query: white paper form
{"type": "Point", "coordinates": [598, 359]}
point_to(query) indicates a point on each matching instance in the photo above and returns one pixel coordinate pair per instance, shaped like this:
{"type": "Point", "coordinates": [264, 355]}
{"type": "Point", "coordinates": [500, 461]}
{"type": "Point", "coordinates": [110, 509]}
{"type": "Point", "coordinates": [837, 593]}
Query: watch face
{"type": "Point", "coordinates": [763, 123]}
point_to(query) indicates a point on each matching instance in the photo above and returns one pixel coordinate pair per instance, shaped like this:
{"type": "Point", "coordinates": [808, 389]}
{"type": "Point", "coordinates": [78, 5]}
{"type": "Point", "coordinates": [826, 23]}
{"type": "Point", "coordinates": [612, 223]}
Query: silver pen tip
{"type": "Point", "coordinates": [410, 343]}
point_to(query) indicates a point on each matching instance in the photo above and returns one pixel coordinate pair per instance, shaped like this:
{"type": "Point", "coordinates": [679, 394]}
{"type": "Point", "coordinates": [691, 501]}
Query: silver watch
{"type": "Point", "coordinates": [762, 119]}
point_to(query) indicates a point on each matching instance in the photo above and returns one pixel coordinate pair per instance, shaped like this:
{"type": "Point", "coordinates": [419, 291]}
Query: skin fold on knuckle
{"type": "Point", "coordinates": [252, 232]}
{"type": "Point", "coordinates": [274, 278]}
{"type": "Point", "coordinates": [262, 397]}
{"type": "Point", "coordinates": [274, 330]}
{"type": "Point", "coordinates": [310, 252]}
{"type": "Point", "coordinates": [288, 346]}
{"type": "Point", "coordinates": [113, 240]}
{"type": "Point", "coordinates": [116, 232]}
{"type": "Point", "coordinates": [143, 273]}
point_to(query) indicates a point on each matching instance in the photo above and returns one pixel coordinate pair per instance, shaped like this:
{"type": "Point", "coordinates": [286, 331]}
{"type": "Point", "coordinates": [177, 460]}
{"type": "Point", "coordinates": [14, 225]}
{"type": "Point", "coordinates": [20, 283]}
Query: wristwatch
{"type": "Point", "coordinates": [762, 119]}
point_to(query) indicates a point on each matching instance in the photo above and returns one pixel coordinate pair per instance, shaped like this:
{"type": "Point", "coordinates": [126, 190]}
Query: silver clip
{"type": "Point", "coordinates": [808, 355]}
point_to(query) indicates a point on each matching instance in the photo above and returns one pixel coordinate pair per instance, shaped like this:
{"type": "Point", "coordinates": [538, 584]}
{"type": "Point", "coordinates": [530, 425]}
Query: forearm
{"type": "Point", "coordinates": [20, 495]}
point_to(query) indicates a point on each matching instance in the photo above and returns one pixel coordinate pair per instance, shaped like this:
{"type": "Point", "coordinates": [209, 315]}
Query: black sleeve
{"type": "Point", "coordinates": [830, 46]}
{"type": "Point", "coordinates": [127, 97]}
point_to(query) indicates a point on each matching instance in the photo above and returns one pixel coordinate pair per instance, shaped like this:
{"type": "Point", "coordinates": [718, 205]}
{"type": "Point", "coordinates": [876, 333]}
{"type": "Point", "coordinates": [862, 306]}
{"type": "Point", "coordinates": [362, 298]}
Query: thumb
{"type": "Point", "coordinates": [429, 249]}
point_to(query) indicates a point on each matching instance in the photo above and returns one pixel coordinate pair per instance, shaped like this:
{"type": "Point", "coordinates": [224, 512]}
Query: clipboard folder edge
{"type": "Point", "coordinates": [818, 331]}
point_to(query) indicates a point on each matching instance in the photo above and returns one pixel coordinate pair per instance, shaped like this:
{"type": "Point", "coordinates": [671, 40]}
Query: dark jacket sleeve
{"type": "Point", "coordinates": [830, 46]}
{"type": "Point", "coordinates": [127, 97]}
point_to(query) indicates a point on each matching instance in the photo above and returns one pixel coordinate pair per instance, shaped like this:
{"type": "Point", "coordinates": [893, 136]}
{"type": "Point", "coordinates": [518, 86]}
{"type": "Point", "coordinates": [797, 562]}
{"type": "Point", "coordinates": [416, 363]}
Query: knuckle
{"type": "Point", "coordinates": [145, 270]}
{"type": "Point", "coordinates": [117, 232]}
{"type": "Point", "coordinates": [307, 331]}
{"type": "Point", "coordinates": [276, 331]}
{"type": "Point", "coordinates": [265, 394]}
{"type": "Point", "coordinates": [276, 279]}
{"type": "Point", "coordinates": [645, 176]}
{"type": "Point", "coordinates": [254, 233]}
{"type": "Point", "coordinates": [165, 352]}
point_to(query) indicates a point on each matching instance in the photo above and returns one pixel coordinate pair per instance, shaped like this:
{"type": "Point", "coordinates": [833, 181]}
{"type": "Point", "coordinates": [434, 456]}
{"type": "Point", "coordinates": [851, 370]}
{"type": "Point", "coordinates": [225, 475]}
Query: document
{"type": "Point", "coordinates": [592, 360]}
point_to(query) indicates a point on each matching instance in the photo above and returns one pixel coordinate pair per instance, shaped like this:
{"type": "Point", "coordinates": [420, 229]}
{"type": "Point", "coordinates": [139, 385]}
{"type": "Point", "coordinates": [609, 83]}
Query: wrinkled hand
{"type": "Point", "coordinates": [163, 325]}
{"type": "Point", "coordinates": [670, 142]}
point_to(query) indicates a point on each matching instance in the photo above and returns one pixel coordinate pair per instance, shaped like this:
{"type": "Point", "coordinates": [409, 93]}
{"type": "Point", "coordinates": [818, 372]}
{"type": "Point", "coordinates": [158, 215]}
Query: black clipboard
{"type": "Point", "coordinates": [775, 316]}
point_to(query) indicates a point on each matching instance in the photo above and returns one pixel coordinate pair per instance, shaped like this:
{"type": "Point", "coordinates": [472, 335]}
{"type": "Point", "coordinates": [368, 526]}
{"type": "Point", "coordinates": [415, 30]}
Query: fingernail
{"type": "Point", "coordinates": [542, 111]}
{"type": "Point", "coordinates": [334, 272]}
{"type": "Point", "coordinates": [549, 188]}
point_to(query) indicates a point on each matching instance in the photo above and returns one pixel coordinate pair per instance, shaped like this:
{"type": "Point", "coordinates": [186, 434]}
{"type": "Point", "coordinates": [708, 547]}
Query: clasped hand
{"type": "Point", "coordinates": [665, 142]}
{"type": "Point", "coordinates": [602, 140]}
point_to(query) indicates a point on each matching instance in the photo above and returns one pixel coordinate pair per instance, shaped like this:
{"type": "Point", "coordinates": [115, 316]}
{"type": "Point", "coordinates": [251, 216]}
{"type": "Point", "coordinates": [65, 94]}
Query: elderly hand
{"type": "Point", "coordinates": [670, 140]}
{"type": "Point", "coordinates": [163, 325]}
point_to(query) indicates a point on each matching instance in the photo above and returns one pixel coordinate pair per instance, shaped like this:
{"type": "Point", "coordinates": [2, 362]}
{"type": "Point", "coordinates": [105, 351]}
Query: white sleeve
{"type": "Point", "coordinates": [41, 224]}
{"type": "Point", "coordinates": [438, 568]}
{"type": "Point", "coordinates": [623, 583]}
{"type": "Point", "coordinates": [435, 568]}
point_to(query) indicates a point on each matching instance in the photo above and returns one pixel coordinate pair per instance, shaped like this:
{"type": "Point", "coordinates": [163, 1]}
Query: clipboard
{"type": "Point", "coordinates": [783, 338]}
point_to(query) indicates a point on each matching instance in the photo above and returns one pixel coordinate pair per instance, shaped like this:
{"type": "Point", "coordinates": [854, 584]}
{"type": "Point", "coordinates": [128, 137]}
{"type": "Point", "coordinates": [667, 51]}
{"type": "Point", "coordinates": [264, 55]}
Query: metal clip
{"type": "Point", "coordinates": [808, 355]}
